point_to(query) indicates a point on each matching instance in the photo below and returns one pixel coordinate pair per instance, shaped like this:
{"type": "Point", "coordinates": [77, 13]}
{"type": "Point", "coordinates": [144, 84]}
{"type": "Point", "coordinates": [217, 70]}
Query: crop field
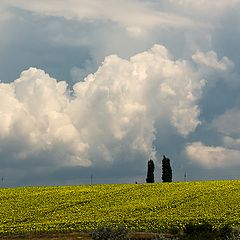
{"type": "Point", "coordinates": [139, 207]}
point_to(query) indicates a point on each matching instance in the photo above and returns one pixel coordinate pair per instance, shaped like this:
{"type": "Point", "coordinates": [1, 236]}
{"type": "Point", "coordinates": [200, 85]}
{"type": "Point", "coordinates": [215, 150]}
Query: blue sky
{"type": "Point", "coordinates": [99, 87]}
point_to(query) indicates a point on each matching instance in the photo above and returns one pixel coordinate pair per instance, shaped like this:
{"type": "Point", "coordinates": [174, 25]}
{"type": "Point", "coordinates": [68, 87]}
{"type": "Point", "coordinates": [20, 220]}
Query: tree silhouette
{"type": "Point", "coordinates": [166, 170]}
{"type": "Point", "coordinates": [150, 172]}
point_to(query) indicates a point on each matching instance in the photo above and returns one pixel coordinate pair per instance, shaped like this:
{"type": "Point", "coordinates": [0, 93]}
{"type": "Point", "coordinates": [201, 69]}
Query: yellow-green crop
{"type": "Point", "coordinates": [140, 207]}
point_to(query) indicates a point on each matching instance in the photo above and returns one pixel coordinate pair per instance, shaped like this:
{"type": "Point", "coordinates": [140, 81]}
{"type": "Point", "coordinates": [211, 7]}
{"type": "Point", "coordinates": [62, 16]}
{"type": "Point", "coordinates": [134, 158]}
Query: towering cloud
{"type": "Point", "coordinates": [110, 116]}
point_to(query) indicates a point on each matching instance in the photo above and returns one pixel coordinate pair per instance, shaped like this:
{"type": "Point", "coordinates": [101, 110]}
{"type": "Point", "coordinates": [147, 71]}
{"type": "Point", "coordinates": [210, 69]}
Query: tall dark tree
{"type": "Point", "coordinates": [150, 172]}
{"type": "Point", "coordinates": [166, 170]}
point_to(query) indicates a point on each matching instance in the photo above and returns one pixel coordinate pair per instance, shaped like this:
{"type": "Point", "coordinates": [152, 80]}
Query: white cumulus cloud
{"type": "Point", "coordinates": [210, 60]}
{"type": "Point", "coordinates": [228, 125]}
{"type": "Point", "coordinates": [110, 116]}
{"type": "Point", "coordinates": [32, 110]}
{"type": "Point", "coordinates": [211, 156]}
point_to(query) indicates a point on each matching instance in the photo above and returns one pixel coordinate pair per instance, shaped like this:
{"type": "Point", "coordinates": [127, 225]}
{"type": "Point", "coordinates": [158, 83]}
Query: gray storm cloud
{"type": "Point", "coordinates": [143, 15]}
{"type": "Point", "coordinates": [111, 114]}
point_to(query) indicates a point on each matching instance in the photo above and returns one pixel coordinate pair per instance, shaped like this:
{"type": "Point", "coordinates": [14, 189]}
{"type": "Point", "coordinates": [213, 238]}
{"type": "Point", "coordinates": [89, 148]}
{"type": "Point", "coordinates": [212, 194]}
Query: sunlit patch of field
{"type": "Point", "coordinates": [139, 207]}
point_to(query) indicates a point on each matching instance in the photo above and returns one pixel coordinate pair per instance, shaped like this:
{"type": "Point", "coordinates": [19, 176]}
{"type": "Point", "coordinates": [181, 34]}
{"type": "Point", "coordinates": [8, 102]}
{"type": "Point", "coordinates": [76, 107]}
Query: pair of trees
{"type": "Point", "coordinates": [166, 170]}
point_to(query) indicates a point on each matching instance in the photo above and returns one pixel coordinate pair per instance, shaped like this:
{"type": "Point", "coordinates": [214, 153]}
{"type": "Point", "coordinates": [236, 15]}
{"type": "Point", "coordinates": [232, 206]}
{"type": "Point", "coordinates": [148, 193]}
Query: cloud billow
{"type": "Point", "coordinates": [112, 113]}
{"type": "Point", "coordinates": [228, 153]}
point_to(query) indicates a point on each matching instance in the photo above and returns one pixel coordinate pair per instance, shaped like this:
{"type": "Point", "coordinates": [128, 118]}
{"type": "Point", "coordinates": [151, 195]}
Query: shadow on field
{"type": "Point", "coordinates": [192, 231]}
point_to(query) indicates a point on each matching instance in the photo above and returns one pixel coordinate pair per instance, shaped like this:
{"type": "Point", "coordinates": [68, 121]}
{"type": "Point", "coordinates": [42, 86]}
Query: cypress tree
{"type": "Point", "coordinates": [150, 172]}
{"type": "Point", "coordinates": [166, 170]}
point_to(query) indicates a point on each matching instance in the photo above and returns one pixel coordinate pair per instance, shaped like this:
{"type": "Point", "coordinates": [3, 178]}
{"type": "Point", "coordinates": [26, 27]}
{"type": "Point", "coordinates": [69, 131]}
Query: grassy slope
{"type": "Point", "coordinates": [140, 207]}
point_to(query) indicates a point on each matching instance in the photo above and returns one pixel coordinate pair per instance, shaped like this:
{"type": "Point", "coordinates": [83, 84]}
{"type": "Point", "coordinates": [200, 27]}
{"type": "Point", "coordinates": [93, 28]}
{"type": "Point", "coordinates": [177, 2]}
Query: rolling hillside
{"type": "Point", "coordinates": [139, 207]}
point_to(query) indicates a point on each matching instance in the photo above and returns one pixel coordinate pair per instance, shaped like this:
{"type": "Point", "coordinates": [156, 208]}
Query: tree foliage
{"type": "Point", "coordinates": [150, 172]}
{"type": "Point", "coordinates": [166, 170]}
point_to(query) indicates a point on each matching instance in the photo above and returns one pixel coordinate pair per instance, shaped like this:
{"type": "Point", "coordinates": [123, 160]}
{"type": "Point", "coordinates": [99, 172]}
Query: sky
{"type": "Point", "coordinates": [98, 87]}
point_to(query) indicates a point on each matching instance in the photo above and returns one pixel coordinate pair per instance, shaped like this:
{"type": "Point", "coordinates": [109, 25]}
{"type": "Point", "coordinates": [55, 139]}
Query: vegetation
{"type": "Point", "coordinates": [150, 172]}
{"type": "Point", "coordinates": [169, 207]}
{"type": "Point", "coordinates": [108, 233]}
{"type": "Point", "coordinates": [205, 231]}
{"type": "Point", "coordinates": [166, 170]}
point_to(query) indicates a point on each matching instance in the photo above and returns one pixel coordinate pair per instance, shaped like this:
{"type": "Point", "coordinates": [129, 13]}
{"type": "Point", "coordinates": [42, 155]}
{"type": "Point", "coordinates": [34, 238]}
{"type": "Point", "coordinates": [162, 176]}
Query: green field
{"type": "Point", "coordinates": [139, 207]}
